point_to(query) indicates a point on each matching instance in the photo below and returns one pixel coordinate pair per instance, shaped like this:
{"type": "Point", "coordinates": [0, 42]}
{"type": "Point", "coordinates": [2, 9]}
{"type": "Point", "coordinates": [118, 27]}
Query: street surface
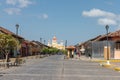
{"type": "Point", "coordinates": [56, 68]}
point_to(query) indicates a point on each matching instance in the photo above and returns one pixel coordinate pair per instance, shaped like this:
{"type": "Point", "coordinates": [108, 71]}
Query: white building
{"type": "Point", "coordinates": [55, 44]}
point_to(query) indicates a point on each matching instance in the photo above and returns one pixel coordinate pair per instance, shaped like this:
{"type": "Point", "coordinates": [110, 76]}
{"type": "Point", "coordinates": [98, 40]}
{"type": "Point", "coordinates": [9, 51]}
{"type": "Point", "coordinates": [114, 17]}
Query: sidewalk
{"type": "Point", "coordinates": [114, 64]}
{"type": "Point", "coordinates": [84, 58]}
{"type": "Point", "coordinates": [14, 68]}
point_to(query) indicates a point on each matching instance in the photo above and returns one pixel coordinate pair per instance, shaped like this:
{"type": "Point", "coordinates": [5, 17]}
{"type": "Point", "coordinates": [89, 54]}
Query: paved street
{"type": "Point", "coordinates": [56, 68]}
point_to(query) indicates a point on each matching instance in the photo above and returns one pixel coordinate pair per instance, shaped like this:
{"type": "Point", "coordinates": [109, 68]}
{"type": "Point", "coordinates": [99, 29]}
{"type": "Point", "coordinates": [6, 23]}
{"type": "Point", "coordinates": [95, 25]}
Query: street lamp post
{"type": "Point", "coordinates": [17, 26]}
{"type": "Point", "coordinates": [44, 42]}
{"type": "Point", "coordinates": [65, 43]}
{"type": "Point", "coordinates": [107, 27]}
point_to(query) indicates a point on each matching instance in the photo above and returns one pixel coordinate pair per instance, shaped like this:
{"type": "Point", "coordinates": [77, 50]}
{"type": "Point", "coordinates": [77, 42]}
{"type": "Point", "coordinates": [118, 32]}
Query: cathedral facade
{"type": "Point", "coordinates": [55, 44]}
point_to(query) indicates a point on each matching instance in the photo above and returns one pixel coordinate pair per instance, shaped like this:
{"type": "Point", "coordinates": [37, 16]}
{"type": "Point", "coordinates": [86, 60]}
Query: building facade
{"type": "Point", "coordinates": [96, 46]}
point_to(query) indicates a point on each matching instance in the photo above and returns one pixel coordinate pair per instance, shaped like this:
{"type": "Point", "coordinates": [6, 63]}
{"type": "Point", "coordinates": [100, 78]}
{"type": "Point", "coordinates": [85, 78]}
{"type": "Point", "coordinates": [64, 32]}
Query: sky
{"type": "Point", "coordinates": [73, 20]}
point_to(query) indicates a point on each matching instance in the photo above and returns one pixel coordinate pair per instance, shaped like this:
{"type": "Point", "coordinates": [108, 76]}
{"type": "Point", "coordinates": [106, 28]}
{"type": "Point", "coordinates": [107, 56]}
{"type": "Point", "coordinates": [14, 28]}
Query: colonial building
{"type": "Point", "coordinates": [55, 44]}
{"type": "Point", "coordinates": [96, 46]}
{"type": "Point", "coordinates": [13, 51]}
{"type": "Point", "coordinates": [25, 47]}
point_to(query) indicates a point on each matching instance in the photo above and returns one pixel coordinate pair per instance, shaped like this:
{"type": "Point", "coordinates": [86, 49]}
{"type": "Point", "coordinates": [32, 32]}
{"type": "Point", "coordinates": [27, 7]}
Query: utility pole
{"type": "Point", "coordinates": [41, 40]}
{"type": "Point", "coordinates": [65, 43]}
{"type": "Point", "coordinates": [44, 42]}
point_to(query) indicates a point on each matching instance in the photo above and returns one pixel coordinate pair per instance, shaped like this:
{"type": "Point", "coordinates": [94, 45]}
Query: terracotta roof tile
{"type": "Point", "coordinates": [70, 47]}
{"type": "Point", "coordinates": [3, 30]}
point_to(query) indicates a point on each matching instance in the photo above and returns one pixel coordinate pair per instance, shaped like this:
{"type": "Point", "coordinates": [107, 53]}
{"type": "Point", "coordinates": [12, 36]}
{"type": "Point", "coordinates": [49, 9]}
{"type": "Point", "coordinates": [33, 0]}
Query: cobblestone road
{"type": "Point", "coordinates": [56, 68]}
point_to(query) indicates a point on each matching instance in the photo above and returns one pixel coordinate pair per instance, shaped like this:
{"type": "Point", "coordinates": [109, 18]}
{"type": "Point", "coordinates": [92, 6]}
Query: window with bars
{"type": "Point", "coordinates": [118, 46]}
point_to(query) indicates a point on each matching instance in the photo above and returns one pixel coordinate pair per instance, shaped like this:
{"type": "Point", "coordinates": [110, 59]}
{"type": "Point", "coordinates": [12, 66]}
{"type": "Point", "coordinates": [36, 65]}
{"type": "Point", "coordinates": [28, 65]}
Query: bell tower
{"type": "Point", "coordinates": [54, 41]}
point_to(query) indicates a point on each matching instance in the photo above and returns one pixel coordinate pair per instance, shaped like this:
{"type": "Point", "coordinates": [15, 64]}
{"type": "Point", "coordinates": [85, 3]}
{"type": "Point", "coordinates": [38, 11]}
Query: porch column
{"type": "Point", "coordinates": [72, 53]}
{"type": "Point", "coordinates": [68, 52]}
{"type": "Point", "coordinates": [106, 52]}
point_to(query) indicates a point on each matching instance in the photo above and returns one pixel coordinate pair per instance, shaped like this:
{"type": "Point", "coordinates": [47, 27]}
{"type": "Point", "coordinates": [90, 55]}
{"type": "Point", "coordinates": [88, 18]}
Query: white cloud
{"type": "Point", "coordinates": [98, 13]}
{"type": "Point", "coordinates": [17, 6]}
{"type": "Point", "coordinates": [24, 3]}
{"type": "Point", "coordinates": [104, 21]}
{"type": "Point", "coordinates": [11, 2]}
{"type": "Point", "coordinates": [12, 11]}
{"type": "Point", "coordinates": [104, 17]}
{"type": "Point", "coordinates": [19, 3]}
{"type": "Point", "coordinates": [43, 16]}
{"type": "Point", "coordinates": [93, 13]}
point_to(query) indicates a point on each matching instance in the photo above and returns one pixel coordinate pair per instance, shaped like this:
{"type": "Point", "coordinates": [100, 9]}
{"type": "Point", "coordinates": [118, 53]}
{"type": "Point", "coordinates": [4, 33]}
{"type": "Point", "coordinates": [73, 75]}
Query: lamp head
{"type": "Point", "coordinates": [17, 25]}
{"type": "Point", "coordinates": [107, 27]}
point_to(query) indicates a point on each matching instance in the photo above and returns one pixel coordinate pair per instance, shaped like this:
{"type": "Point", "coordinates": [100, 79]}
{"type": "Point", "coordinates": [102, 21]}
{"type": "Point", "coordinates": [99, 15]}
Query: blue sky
{"type": "Point", "coordinates": [72, 20]}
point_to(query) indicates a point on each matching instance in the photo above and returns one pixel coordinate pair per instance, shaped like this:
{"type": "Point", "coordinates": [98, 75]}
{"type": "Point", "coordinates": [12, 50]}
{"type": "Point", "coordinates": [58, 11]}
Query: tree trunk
{"type": "Point", "coordinates": [7, 60]}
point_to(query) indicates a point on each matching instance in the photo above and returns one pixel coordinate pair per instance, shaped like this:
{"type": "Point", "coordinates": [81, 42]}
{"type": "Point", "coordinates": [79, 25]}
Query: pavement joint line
{"type": "Point", "coordinates": [72, 75]}
{"type": "Point", "coordinates": [92, 76]}
{"type": "Point", "coordinates": [62, 73]}
{"type": "Point", "coordinates": [83, 70]}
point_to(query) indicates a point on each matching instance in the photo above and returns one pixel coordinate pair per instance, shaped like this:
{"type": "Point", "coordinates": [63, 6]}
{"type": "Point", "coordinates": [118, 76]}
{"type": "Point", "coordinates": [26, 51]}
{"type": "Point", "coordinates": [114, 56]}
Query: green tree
{"type": "Point", "coordinates": [55, 50]}
{"type": "Point", "coordinates": [45, 50]}
{"type": "Point", "coordinates": [50, 50]}
{"type": "Point", "coordinates": [64, 52]}
{"type": "Point", "coordinates": [6, 43]}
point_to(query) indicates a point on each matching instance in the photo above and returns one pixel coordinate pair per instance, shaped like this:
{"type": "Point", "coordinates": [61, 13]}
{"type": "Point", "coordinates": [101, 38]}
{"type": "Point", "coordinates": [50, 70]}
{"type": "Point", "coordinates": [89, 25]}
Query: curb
{"type": "Point", "coordinates": [107, 65]}
{"type": "Point", "coordinates": [117, 69]}
{"type": "Point", "coordinates": [110, 66]}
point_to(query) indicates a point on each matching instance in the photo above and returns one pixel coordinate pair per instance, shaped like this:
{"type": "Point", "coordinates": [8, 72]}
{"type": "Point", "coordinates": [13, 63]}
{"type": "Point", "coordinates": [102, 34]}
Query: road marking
{"type": "Point", "coordinates": [16, 79]}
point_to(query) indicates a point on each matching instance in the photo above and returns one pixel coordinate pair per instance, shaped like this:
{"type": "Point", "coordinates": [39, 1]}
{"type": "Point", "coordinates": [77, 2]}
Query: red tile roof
{"type": "Point", "coordinates": [3, 30]}
{"type": "Point", "coordinates": [70, 47]}
{"type": "Point", "coordinates": [102, 37]}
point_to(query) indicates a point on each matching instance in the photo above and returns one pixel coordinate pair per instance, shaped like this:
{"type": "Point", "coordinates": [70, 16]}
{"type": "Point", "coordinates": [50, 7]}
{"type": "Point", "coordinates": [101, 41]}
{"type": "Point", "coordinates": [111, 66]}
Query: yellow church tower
{"type": "Point", "coordinates": [55, 44]}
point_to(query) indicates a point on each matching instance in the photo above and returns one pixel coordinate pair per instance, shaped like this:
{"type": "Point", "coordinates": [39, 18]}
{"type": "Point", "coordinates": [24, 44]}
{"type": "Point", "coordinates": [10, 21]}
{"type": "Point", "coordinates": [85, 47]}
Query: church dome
{"type": "Point", "coordinates": [54, 38]}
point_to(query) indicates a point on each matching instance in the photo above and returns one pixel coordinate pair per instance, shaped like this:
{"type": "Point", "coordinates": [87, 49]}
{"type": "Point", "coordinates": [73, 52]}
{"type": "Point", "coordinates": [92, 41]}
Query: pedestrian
{"type": "Point", "coordinates": [79, 54]}
{"type": "Point", "coordinates": [90, 56]}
